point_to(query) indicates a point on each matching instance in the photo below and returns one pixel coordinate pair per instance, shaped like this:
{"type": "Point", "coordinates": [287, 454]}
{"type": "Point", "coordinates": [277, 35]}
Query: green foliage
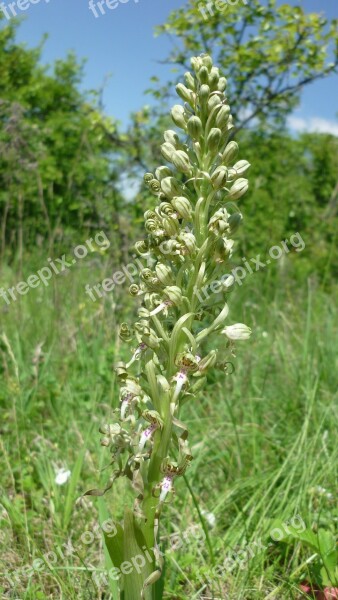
{"type": "Point", "coordinates": [56, 170]}
{"type": "Point", "coordinates": [268, 52]}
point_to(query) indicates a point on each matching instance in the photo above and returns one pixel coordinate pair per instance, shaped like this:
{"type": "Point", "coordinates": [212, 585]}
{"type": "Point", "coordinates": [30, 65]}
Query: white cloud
{"type": "Point", "coordinates": [313, 124]}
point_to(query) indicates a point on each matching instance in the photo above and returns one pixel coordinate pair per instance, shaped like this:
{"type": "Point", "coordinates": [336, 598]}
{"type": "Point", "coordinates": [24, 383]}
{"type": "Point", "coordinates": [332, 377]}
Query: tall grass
{"type": "Point", "coordinates": [266, 439]}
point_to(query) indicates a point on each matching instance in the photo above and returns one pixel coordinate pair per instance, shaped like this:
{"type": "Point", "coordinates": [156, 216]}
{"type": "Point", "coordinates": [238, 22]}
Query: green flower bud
{"type": "Point", "coordinates": [230, 152]}
{"type": "Point", "coordinates": [239, 331]}
{"type": "Point", "coordinates": [167, 150]}
{"type": "Point", "coordinates": [195, 128]}
{"type": "Point", "coordinates": [162, 172]}
{"type": "Point", "coordinates": [222, 84]}
{"type": "Point", "coordinates": [213, 102]}
{"type": "Point", "coordinates": [219, 177]}
{"type": "Point", "coordinates": [190, 81]}
{"type": "Point", "coordinates": [182, 206]}
{"type": "Point", "coordinates": [241, 167]}
{"type": "Point", "coordinates": [174, 294]}
{"type": "Point", "coordinates": [171, 187]}
{"type": "Point", "coordinates": [181, 161]}
{"type": "Point", "coordinates": [208, 361]}
{"type": "Point", "coordinates": [238, 189]}
{"type": "Point", "coordinates": [207, 61]}
{"type": "Point", "coordinates": [164, 274]}
{"type": "Point", "coordinates": [203, 75]}
{"type": "Point", "coordinates": [154, 186]}
{"type": "Point", "coordinates": [178, 115]}
{"type": "Point", "coordinates": [204, 94]}
{"type": "Point", "coordinates": [151, 340]}
{"type": "Point", "coordinates": [185, 94]}
{"type": "Point", "coordinates": [196, 63]}
{"type": "Point", "coordinates": [222, 116]}
{"type": "Point", "coordinates": [214, 140]}
{"type": "Point", "coordinates": [170, 226]}
{"type": "Point", "coordinates": [171, 137]}
{"type": "Point", "coordinates": [214, 78]}
{"type": "Point", "coordinates": [148, 177]}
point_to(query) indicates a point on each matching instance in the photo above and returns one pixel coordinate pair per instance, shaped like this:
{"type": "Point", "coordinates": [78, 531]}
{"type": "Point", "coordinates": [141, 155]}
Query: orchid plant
{"type": "Point", "coordinates": [188, 245]}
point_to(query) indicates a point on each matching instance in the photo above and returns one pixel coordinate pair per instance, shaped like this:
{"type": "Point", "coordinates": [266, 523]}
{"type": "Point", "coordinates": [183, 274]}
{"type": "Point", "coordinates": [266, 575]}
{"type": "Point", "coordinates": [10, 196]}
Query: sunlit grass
{"type": "Point", "coordinates": [264, 439]}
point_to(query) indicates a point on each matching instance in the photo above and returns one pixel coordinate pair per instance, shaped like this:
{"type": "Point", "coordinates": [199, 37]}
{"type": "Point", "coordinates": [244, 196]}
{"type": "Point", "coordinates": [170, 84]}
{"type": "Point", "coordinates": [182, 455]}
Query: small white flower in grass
{"type": "Point", "coordinates": [239, 331]}
{"type": "Point", "coordinates": [209, 517]}
{"type": "Point", "coordinates": [62, 476]}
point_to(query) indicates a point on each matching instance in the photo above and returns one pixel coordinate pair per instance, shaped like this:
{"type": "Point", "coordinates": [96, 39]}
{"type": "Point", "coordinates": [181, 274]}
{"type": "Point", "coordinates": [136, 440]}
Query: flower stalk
{"type": "Point", "coordinates": [188, 244]}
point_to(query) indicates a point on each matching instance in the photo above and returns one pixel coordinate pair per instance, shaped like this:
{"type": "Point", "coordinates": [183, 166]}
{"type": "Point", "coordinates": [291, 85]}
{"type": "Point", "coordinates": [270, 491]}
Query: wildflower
{"type": "Point", "coordinates": [62, 476]}
{"type": "Point", "coordinates": [239, 331]}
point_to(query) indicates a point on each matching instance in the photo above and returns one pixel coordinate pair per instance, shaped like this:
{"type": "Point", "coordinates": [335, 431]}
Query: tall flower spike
{"type": "Point", "coordinates": [188, 243]}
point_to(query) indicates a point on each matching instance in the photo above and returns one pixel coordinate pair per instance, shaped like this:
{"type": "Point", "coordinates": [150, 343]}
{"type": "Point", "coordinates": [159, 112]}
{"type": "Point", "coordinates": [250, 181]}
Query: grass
{"type": "Point", "coordinates": [263, 440]}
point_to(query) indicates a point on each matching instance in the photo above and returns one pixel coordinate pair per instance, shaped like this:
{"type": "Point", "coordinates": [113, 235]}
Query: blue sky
{"type": "Point", "coordinates": [121, 50]}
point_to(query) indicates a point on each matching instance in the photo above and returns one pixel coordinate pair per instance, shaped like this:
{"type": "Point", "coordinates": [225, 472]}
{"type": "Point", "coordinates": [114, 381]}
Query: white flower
{"type": "Point", "coordinates": [239, 331]}
{"type": "Point", "coordinates": [209, 517]}
{"type": "Point", "coordinates": [62, 476]}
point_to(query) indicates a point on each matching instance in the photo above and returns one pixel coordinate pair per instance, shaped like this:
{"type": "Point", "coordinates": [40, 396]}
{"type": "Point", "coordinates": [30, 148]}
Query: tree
{"type": "Point", "coordinates": [270, 53]}
{"type": "Point", "coordinates": [56, 163]}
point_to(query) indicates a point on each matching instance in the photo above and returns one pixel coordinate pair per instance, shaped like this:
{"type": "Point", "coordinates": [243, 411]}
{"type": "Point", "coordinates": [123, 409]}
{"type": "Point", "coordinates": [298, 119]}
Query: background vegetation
{"type": "Point", "coordinates": [263, 437]}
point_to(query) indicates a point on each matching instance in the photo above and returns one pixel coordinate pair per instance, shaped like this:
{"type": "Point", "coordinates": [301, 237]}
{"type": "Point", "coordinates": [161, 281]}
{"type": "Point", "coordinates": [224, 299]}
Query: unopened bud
{"type": "Point", "coordinates": [190, 81]}
{"type": "Point", "coordinates": [167, 150]}
{"type": "Point", "coordinates": [222, 116]}
{"type": "Point", "coordinates": [186, 94]}
{"type": "Point", "coordinates": [222, 84]}
{"type": "Point", "coordinates": [170, 226]}
{"type": "Point", "coordinates": [207, 61]}
{"type": "Point", "coordinates": [174, 294]}
{"type": "Point", "coordinates": [181, 161]}
{"type": "Point", "coordinates": [230, 152]}
{"type": "Point", "coordinates": [162, 172]}
{"type": "Point", "coordinates": [182, 206]}
{"type": "Point", "coordinates": [241, 167]}
{"type": "Point", "coordinates": [203, 75]}
{"type": "Point", "coordinates": [171, 137]}
{"type": "Point", "coordinates": [178, 115]}
{"type": "Point", "coordinates": [195, 128]}
{"type": "Point", "coordinates": [238, 189]}
{"type": "Point", "coordinates": [163, 273]}
{"type": "Point", "coordinates": [171, 187]}
{"type": "Point", "coordinates": [213, 78]}
{"type": "Point", "coordinates": [214, 140]}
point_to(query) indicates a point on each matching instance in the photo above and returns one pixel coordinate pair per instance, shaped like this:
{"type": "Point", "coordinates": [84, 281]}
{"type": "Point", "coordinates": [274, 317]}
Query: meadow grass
{"type": "Point", "coordinates": [263, 440]}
